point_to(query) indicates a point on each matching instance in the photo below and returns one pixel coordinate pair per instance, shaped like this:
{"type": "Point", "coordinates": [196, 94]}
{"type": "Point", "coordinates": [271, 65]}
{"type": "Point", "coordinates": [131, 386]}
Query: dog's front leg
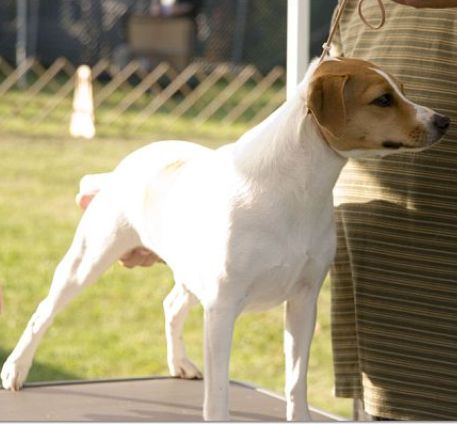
{"type": "Point", "coordinates": [300, 320]}
{"type": "Point", "coordinates": [219, 323]}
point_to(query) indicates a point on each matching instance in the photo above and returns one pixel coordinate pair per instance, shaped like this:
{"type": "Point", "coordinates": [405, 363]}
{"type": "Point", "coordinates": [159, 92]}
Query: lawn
{"type": "Point", "coordinates": [115, 327]}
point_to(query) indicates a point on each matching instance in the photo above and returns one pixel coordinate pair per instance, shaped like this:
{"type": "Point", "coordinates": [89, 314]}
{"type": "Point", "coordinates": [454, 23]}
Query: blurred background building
{"type": "Point", "coordinates": [85, 31]}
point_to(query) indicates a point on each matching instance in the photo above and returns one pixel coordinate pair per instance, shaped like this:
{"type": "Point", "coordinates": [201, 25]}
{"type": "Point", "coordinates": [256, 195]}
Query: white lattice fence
{"type": "Point", "coordinates": [133, 97]}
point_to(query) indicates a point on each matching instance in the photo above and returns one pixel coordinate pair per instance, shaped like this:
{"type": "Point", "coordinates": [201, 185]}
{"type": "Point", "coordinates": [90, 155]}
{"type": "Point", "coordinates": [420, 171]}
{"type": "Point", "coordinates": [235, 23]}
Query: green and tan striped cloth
{"type": "Point", "coordinates": [394, 281]}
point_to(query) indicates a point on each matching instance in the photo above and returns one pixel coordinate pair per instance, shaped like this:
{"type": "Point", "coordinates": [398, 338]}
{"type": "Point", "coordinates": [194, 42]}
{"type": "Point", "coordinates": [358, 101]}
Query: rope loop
{"type": "Point", "coordinates": [362, 16]}
{"type": "Point", "coordinates": [339, 13]}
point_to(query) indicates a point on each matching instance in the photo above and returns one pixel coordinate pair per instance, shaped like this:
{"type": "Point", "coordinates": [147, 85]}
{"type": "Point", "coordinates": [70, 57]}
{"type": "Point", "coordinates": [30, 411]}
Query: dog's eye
{"type": "Point", "coordinates": [385, 100]}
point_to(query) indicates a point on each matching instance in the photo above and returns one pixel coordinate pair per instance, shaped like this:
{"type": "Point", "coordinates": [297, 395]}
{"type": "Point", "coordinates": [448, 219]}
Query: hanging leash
{"type": "Point", "coordinates": [339, 13]}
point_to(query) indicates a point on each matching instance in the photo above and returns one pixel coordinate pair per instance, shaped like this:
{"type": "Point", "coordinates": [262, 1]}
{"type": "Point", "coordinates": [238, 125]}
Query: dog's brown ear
{"type": "Point", "coordinates": [326, 101]}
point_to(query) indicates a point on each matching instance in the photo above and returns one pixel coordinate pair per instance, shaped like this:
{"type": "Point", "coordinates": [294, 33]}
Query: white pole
{"type": "Point", "coordinates": [298, 40]}
{"type": "Point", "coordinates": [21, 40]}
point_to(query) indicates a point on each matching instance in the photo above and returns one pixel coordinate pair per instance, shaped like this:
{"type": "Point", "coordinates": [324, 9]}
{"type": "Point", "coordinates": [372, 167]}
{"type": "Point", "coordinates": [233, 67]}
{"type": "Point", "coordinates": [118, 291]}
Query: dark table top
{"type": "Point", "coordinates": [140, 399]}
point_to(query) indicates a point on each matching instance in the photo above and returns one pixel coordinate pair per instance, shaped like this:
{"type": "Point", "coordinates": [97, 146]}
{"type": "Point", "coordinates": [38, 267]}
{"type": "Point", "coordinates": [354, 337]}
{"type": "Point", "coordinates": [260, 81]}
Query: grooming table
{"type": "Point", "coordinates": [139, 399]}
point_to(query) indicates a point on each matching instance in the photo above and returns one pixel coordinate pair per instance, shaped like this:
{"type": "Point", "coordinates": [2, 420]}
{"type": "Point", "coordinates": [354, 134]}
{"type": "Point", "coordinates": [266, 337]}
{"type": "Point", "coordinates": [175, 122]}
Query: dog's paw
{"type": "Point", "coordinates": [298, 414]}
{"type": "Point", "coordinates": [185, 369]}
{"type": "Point", "coordinates": [13, 375]}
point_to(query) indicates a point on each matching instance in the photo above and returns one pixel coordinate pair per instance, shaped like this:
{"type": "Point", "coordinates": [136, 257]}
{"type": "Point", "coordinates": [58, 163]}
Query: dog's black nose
{"type": "Point", "coordinates": [441, 122]}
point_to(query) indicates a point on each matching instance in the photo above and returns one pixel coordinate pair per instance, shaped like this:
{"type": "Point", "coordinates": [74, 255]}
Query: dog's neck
{"type": "Point", "coordinates": [288, 150]}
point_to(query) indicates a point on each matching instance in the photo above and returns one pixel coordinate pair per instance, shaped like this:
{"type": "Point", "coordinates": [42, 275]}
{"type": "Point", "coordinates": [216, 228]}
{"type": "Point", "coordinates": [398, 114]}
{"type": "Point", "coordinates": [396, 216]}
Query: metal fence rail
{"type": "Point", "coordinates": [223, 93]}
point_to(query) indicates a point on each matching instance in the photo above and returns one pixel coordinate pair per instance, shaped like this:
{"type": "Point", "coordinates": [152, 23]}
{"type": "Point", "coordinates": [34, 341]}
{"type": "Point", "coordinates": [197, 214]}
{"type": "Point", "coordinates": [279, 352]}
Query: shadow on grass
{"type": "Point", "coordinates": [41, 372]}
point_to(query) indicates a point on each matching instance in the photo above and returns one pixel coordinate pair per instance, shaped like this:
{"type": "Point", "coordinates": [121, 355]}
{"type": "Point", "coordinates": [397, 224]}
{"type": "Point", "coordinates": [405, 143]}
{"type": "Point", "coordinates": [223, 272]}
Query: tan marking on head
{"type": "Point", "coordinates": [345, 98]}
{"type": "Point", "coordinates": [326, 101]}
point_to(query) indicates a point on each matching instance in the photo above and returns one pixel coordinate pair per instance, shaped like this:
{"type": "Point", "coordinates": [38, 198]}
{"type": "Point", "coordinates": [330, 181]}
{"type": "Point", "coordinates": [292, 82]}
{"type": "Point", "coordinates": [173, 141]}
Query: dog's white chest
{"type": "Point", "coordinates": [274, 286]}
{"type": "Point", "coordinates": [282, 266]}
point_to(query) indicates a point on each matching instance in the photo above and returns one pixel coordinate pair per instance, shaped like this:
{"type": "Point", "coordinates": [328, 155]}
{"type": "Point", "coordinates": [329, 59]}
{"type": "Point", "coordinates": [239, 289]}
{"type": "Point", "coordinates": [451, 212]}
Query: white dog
{"type": "Point", "coordinates": [247, 226]}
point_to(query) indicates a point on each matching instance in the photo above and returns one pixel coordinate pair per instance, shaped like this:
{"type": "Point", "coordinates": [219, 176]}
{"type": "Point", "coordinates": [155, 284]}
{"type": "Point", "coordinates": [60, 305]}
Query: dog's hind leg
{"type": "Point", "coordinates": [176, 307]}
{"type": "Point", "coordinates": [101, 238]}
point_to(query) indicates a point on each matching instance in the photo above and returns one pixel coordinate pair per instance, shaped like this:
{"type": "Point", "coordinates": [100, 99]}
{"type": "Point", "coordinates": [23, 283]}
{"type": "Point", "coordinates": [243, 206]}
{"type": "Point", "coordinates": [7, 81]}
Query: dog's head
{"type": "Point", "coordinates": [362, 110]}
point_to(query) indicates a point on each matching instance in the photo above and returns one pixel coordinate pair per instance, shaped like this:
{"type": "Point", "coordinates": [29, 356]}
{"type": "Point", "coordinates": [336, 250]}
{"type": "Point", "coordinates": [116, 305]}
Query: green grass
{"type": "Point", "coordinates": [115, 327]}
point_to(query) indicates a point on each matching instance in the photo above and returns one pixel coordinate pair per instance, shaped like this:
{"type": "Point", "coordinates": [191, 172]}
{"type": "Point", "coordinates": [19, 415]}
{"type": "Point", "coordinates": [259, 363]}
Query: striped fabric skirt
{"type": "Point", "coordinates": [394, 280]}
